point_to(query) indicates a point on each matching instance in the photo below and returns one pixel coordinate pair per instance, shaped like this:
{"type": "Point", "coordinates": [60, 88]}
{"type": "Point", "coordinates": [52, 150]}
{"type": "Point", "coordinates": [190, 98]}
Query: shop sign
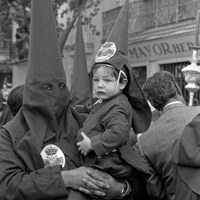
{"type": "Point", "coordinates": [161, 49]}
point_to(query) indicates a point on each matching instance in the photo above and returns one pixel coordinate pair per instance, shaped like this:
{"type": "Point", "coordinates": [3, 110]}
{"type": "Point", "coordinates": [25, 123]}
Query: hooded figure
{"type": "Point", "coordinates": [43, 132]}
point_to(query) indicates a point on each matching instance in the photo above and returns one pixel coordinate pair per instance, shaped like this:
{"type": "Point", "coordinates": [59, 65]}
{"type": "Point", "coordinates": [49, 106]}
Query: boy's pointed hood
{"type": "Point", "coordinates": [115, 52]}
{"type": "Point", "coordinates": [80, 90]}
{"type": "Point", "coordinates": [45, 86]}
{"type": "Point", "coordinates": [115, 49]}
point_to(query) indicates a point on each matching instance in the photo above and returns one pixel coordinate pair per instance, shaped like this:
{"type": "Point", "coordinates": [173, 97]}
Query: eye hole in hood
{"type": "Point", "coordinates": [47, 86]}
{"type": "Point", "coordinates": [62, 85]}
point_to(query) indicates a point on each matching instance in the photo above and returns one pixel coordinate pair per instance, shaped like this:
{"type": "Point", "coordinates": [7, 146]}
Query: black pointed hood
{"type": "Point", "coordinates": [45, 88]}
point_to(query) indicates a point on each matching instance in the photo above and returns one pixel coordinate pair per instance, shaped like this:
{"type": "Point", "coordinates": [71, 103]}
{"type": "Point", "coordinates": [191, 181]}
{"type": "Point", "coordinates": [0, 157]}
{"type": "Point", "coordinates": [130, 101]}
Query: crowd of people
{"type": "Point", "coordinates": [55, 147]}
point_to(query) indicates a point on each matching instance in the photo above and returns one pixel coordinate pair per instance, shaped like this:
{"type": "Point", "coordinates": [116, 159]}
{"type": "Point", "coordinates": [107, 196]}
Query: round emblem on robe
{"type": "Point", "coordinates": [105, 52]}
{"type": "Point", "coordinates": [52, 155]}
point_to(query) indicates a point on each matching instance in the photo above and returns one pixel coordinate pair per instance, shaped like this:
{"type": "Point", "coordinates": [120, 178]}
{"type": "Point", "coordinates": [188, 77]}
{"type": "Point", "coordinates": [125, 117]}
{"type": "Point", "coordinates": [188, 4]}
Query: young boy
{"type": "Point", "coordinates": [107, 127]}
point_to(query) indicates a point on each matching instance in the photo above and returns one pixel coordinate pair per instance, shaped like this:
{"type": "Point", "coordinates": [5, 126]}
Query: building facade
{"type": "Point", "coordinates": [161, 34]}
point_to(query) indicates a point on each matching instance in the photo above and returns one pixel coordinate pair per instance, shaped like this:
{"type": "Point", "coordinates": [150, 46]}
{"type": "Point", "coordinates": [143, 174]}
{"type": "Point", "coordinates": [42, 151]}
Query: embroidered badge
{"type": "Point", "coordinates": [52, 155]}
{"type": "Point", "coordinates": [105, 52]}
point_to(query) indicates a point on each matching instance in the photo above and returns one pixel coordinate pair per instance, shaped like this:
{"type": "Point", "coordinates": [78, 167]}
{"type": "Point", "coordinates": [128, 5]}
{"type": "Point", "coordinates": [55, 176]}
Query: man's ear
{"type": "Point", "coordinates": [123, 84]}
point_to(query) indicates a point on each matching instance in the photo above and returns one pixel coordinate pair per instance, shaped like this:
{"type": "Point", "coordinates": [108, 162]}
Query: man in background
{"type": "Point", "coordinates": [156, 143]}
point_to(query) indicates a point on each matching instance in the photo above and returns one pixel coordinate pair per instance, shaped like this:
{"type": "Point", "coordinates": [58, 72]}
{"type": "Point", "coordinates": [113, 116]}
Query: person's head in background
{"type": "Point", "coordinates": [161, 88]}
{"type": "Point", "coordinates": [107, 81]}
{"type": "Point", "coordinates": [15, 99]}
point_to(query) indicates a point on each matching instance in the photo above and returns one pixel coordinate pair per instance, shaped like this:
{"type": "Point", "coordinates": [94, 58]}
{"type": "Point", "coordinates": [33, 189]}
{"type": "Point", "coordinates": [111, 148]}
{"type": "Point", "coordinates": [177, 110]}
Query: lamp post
{"type": "Point", "coordinates": [192, 71]}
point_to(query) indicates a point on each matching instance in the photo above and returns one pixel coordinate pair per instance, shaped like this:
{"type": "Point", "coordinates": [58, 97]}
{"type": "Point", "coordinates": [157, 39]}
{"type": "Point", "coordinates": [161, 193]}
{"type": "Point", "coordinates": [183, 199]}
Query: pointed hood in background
{"type": "Point", "coordinates": [45, 89]}
{"type": "Point", "coordinates": [64, 35]}
{"type": "Point", "coordinates": [115, 52]}
{"type": "Point", "coordinates": [80, 89]}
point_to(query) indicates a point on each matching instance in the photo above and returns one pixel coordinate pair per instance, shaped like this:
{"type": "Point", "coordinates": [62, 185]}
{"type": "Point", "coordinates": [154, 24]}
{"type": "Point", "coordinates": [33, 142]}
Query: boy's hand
{"type": "Point", "coordinates": [85, 145]}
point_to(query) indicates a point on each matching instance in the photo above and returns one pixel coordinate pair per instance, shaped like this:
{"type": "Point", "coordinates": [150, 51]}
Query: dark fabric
{"type": "Point", "coordinates": [6, 116]}
{"type": "Point", "coordinates": [19, 182]}
{"type": "Point", "coordinates": [45, 88]}
{"type": "Point", "coordinates": [140, 108]}
{"type": "Point", "coordinates": [156, 146]}
{"type": "Point", "coordinates": [81, 92]}
{"type": "Point", "coordinates": [185, 190]}
{"type": "Point", "coordinates": [108, 126]}
{"type": "Point", "coordinates": [15, 99]}
{"type": "Point", "coordinates": [64, 35]}
{"type": "Point", "coordinates": [138, 185]}
{"type": "Point", "coordinates": [119, 35]}
{"type": "Point", "coordinates": [26, 159]}
{"type": "Point", "coordinates": [186, 158]}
